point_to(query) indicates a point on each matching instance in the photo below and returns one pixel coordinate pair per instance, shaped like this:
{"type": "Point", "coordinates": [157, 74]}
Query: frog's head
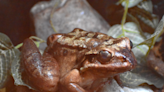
{"type": "Point", "coordinates": [110, 57]}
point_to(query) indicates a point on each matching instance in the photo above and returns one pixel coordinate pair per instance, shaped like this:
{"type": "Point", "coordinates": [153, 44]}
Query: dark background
{"type": "Point", "coordinates": [15, 18]}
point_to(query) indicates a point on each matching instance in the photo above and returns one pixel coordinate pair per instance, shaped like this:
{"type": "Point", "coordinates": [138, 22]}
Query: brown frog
{"type": "Point", "coordinates": [78, 61]}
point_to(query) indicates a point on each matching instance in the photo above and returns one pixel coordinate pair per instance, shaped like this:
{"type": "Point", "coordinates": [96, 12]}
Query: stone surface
{"type": "Point", "coordinates": [67, 15]}
{"type": "Point", "coordinates": [114, 87]}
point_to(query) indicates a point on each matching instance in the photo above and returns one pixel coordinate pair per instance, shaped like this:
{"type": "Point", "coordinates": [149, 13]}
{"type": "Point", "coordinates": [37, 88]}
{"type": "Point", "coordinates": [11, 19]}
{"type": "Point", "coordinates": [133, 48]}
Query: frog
{"type": "Point", "coordinates": [78, 61]}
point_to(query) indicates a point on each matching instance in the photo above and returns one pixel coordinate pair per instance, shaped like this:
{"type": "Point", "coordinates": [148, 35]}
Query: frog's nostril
{"type": "Point", "coordinates": [131, 44]}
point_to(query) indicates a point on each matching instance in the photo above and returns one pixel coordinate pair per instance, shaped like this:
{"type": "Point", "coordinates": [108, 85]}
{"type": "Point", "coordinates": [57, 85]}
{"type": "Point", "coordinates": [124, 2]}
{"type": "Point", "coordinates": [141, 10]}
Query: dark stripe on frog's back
{"type": "Point", "coordinates": [117, 40]}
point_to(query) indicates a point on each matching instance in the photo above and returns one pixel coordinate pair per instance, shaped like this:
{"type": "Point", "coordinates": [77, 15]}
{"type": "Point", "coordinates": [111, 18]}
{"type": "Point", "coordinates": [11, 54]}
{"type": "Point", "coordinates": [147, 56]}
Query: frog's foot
{"type": "Point", "coordinates": [39, 72]}
{"type": "Point", "coordinates": [71, 82]}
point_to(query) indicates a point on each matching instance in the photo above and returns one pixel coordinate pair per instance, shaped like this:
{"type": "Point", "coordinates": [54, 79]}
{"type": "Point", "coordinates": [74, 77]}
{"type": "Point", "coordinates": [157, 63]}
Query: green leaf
{"type": "Point", "coordinates": [7, 55]}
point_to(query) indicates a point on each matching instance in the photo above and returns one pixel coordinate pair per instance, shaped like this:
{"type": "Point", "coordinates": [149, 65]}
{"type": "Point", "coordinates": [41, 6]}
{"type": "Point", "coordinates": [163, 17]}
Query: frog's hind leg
{"type": "Point", "coordinates": [39, 72]}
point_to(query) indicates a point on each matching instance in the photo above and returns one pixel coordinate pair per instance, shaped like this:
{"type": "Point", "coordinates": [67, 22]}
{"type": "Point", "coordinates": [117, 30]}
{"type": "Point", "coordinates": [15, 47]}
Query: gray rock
{"type": "Point", "coordinates": [114, 87]}
{"type": "Point", "coordinates": [67, 15]}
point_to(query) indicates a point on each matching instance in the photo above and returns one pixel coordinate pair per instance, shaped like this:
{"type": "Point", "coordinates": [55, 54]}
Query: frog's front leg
{"type": "Point", "coordinates": [71, 82]}
{"type": "Point", "coordinates": [39, 72]}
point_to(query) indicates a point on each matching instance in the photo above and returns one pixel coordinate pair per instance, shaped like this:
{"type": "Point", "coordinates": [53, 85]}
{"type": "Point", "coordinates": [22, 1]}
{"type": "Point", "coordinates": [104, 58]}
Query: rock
{"type": "Point", "coordinates": [67, 15]}
{"type": "Point", "coordinates": [114, 87]}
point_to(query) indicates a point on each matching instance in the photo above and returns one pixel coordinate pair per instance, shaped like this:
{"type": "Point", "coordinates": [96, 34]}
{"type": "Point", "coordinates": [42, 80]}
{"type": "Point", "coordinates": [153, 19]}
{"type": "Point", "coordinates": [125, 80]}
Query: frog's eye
{"type": "Point", "coordinates": [105, 56]}
{"type": "Point", "coordinates": [131, 44]}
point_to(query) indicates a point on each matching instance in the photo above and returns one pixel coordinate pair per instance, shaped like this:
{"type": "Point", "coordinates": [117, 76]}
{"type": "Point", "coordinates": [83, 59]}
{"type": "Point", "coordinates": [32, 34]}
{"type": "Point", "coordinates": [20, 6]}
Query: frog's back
{"type": "Point", "coordinates": [81, 39]}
